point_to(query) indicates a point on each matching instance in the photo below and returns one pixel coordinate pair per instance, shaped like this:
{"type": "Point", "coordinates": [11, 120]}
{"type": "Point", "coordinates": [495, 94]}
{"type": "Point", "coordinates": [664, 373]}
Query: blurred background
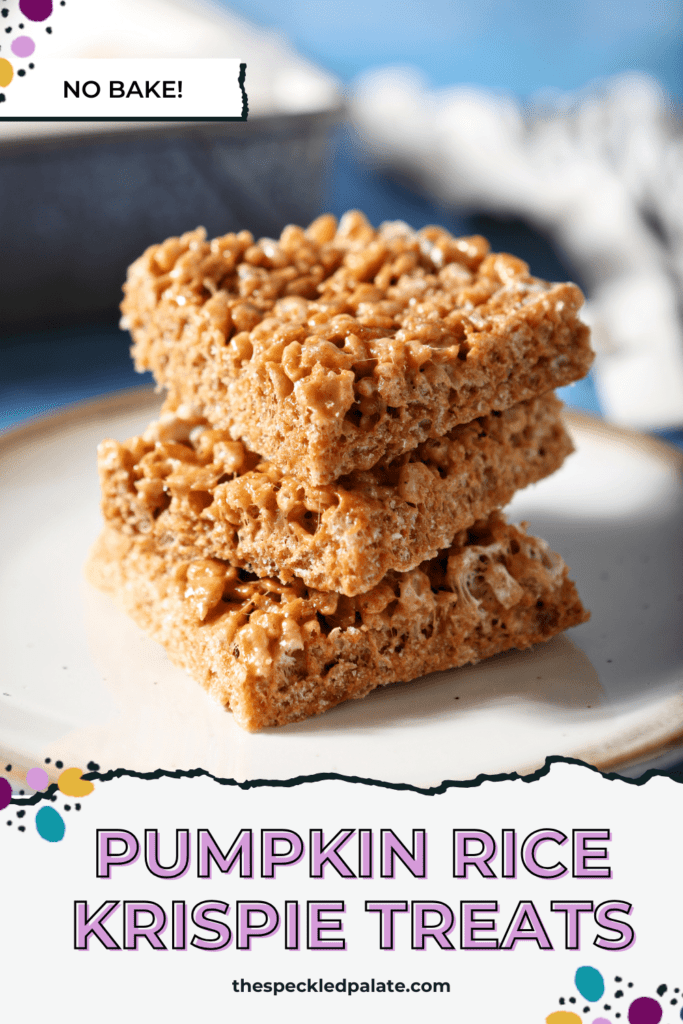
{"type": "Point", "coordinates": [555, 130]}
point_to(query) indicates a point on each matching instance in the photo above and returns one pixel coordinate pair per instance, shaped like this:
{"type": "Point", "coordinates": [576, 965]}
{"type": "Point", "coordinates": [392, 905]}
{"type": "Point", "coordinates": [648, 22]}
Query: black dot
{"type": "Point", "coordinates": [617, 1015]}
{"type": "Point", "coordinates": [67, 807]}
{"type": "Point", "coordinates": [77, 806]}
{"type": "Point", "coordinates": [2, 97]}
{"type": "Point", "coordinates": [5, 12]}
{"type": "Point", "coordinates": [673, 1002]}
{"type": "Point", "coordinates": [607, 1006]}
{"type": "Point", "coordinates": [31, 66]}
{"type": "Point", "coordinates": [586, 1009]}
{"type": "Point", "coordinates": [47, 760]}
{"type": "Point", "coordinates": [561, 1000]}
{"type": "Point", "coordinates": [53, 798]}
{"type": "Point", "coordinates": [62, 3]}
{"type": "Point", "coordinates": [618, 994]}
{"type": "Point", "coordinates": [8, 767]}
{"type": "Point", "coordinates": [8, 29]}
{"type": "Point", "coordinates": [20, 814]}
{"type": "Point", "coordinates": [617, 979]}
{"type": "Point", "coordinates": [9, 822]}
{"type": "Point", "coordinates": [661, 990]}
{"type": "Point", "coordinates": [630, 984]}
{"type": "Point", "coordinates": [59, 764]}
{"type": "Point", "coordinates": [49, 31]}
{"type": "Point", "coordinates": [21, 26]}
{"type": "Point", "coordinates": [571, 999]}
{"type": "Point", "coordinates": [22, 828]}
{"type": "Point", "coordinates": [21, 792]}
{"type": "Point", "coordinates": [21, 72]}
{"type": "Point", "coordinates": [93, 766]}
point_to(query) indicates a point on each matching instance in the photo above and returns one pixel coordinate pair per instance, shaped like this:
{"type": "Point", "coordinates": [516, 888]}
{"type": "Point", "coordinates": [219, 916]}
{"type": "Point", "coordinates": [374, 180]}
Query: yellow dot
{"type": "Point", "coordinates": [71, 784]}
{"type": "Point", "coordinates": [6, 72]}
{"type": "Point", "coordinates": [563, 1017]}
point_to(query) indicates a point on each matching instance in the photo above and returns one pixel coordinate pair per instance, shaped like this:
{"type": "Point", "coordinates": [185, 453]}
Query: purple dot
{"type": "Point", "coordinates": [36, 10]}
{"type": "Point", "coordinates": [23, 46]}
{"type": "Point", "coordinates": [644, 1011]}
{"type": "Point", "coordinates": [37, 778]}
{"type": "Point", "coordinates": [5, 793]}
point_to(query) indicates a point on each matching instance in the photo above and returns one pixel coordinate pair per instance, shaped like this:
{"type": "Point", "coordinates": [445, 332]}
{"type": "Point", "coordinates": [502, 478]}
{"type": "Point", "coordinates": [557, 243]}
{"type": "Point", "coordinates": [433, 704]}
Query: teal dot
{"type": "Point", "coordinates": [50, 824]}
{"type": "Point", "coordinates": [590, 983]}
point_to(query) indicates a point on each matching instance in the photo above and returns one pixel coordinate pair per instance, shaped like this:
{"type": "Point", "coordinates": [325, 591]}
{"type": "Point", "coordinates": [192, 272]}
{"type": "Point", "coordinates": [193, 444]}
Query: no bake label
{"type": "Point", "coordinates": [123, 89]}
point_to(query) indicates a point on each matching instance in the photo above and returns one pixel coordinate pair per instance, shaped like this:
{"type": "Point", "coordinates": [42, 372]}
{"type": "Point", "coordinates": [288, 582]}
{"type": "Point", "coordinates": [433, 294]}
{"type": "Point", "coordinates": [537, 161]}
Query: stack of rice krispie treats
{"type": "Point", "coordinates": [317, 510]}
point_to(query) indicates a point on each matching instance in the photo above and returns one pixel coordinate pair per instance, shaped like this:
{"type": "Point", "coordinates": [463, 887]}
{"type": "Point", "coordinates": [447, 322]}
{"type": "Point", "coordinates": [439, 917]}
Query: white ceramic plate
{"type": "Point", "coordinates": [81, 683]}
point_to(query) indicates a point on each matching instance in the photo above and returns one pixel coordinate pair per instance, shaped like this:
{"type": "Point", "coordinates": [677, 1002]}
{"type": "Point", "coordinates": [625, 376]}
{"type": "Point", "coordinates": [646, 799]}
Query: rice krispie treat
{"type": "Point", "coordinates": [334, 348]}
{"type": "Point", "coordinates": [202, 495]}
{"type": "Point", "coordinates": [275, 653]}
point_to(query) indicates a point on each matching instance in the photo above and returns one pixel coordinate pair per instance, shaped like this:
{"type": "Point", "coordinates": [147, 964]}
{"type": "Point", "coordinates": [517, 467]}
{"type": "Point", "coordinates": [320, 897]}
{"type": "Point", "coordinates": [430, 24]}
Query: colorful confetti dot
{"type": "Point", "coordinates": [644, 1011]}
{"type": "Point", "coordinates": [6, 72]}
{"type": "Point", "coordinates": [37, 778]}
{"type": "Point", "coordinates": [71, 784]}
{"type": "Point", "coordinates": [601, 1020]}
{"type": "Point", "coordinates": [590, 983]}
{"type": "Point", "coordinates": [36, 10]}
{"type": "Point", "coordinates": [563, 1017]}
{"type": "Point", "coordinates": [50, 824]}
{"type": "Point", "coordinates": [22, 46]}
{"type": "Point", "coordinates": [5, 793]}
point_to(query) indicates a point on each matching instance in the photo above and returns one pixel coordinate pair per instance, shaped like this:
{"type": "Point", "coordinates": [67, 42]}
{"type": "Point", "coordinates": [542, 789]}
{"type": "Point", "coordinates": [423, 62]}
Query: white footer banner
{"type": "Point", "coordinates": [501, 901]}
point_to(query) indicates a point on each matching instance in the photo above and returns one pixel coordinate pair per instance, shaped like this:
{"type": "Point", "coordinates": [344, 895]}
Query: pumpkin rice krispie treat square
{"type": "Point", "coordinates": [334, 348]}
{"type": "Point", "coordinates": [276, 652]}
{"type": "Point", "coordinates": [200, 494]}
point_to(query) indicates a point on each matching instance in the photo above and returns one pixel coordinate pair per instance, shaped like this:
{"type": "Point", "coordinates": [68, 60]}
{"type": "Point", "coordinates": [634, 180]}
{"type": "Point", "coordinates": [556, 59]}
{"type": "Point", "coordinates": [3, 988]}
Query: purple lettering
{"type": "Point", "coordinates": [85, 927]}
{"type": "Point", "coordinates": [107, 839]}
{"type": "Point", "coordinates": [437, 930]}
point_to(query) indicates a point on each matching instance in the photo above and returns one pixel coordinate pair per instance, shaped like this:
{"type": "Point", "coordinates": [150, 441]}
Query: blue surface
{"type": "Point", "coordinates": [519, 47]}
{"type": "Point", "coordinates": [42, 371]}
